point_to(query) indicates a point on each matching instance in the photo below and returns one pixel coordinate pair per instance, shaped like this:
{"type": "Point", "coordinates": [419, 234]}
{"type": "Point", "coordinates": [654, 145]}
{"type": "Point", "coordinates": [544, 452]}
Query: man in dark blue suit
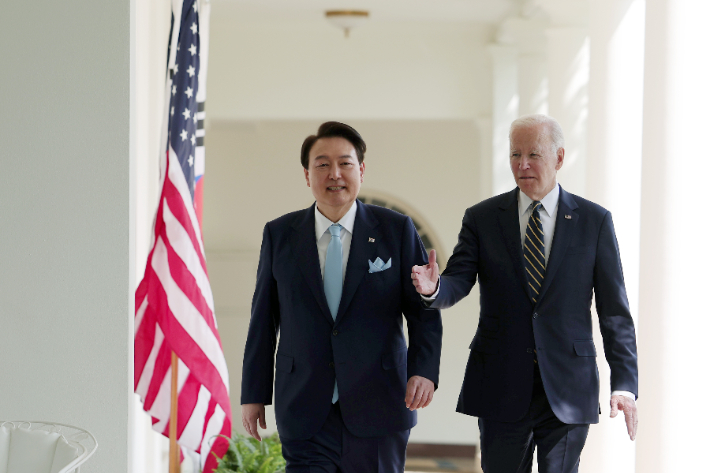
{"type": "Point", "coordinates": [539, 254]}
{"type": "Point", "coordinates": [334, 282]}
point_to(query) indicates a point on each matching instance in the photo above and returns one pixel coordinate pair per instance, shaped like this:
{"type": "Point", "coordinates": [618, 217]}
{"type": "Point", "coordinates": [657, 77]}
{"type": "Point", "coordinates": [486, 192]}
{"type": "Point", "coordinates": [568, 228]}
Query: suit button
{"type": "Point", "coordinates": [331, 364]}
{"type": "Point", "coordinates": [530, 350]}
{"type": "Point", "coordinates": [535, 315]}
{"type": "Point", "coordinates": [335, 332]}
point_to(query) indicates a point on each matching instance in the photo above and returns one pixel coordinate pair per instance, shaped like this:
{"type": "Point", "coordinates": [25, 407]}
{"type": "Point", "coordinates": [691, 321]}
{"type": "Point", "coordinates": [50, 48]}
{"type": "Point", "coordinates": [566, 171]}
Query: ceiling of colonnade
{"type": "Point", "coordinates": [479, 11]}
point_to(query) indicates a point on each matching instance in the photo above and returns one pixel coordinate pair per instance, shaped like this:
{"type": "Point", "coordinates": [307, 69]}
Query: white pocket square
{"type": "Point", "coordinates": [379, 265]}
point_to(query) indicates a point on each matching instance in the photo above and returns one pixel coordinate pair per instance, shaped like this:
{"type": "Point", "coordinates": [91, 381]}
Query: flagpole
{"type": "Point", "coordinates": [174, 454]}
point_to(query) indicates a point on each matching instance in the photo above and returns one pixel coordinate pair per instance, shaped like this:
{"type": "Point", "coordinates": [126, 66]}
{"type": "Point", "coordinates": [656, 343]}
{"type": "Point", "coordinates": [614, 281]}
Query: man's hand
{"type": "Point", "coordinates": [426, 277]}
{"type": "Point", "coordinates": [420, 392]}
{"type": "Point", "coordinates": [628, 405]}
{"type": "Point", "coordinates": [250, 414]}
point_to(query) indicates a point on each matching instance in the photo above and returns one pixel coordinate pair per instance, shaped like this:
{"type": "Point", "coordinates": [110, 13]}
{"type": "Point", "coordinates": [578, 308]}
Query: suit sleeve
{"type": "Point", "coordinates": [423, 324]}
{"type": "Point", "coordinates": [461, 270]}
{"type": "Point", "coordinates": [258, 367]}
{"type": "Point", "coordinates": [615, 322]}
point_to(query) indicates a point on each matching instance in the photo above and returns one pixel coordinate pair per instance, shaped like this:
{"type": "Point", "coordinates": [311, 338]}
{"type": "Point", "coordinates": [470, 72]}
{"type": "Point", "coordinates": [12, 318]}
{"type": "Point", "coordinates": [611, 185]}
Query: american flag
{"type": "Point", "coordinates": [174, 304]}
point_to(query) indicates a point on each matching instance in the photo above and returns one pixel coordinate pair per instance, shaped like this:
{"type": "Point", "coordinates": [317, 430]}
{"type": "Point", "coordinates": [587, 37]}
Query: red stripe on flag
{"type": "Point", "coordinates": [187, 401]}
{"type": "Point", "coordinates": [178, 209]}
{"type": "Point", "coordinates": [188, 285]}
{"type": "Point", "coordinates": [160, 371]}
{"type": "Point", "coordinates": [219, 448]}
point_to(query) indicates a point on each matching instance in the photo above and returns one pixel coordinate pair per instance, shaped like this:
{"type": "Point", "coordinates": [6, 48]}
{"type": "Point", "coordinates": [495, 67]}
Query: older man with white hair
{"type": "Point", "coordinates": [539, 254]}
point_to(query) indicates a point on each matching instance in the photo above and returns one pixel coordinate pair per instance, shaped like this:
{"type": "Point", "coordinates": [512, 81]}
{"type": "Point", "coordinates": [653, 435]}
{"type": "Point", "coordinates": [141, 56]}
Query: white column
{"type": "Point", "coordinates": [532, 83]}
{"type": "Point", "coordinates": [674, 320]}
{"type": "Point", "coordinates": [568, 75]}
{"type": "Point", "coordinates": [614, 181]}
{"type": "Point", "coordinates": [505, 110]}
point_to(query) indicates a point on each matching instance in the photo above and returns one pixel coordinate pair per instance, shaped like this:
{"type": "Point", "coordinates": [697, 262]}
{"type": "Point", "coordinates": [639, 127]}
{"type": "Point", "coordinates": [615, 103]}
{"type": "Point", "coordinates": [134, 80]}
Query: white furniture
{"type": "Point", "coordinates": [43, 447]}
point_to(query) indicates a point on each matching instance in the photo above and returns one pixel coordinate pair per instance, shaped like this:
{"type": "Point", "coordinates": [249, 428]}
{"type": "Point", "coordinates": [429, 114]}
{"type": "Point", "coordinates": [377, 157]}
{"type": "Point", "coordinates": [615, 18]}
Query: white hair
{"type": "Point", "coordinates": [553, 129]}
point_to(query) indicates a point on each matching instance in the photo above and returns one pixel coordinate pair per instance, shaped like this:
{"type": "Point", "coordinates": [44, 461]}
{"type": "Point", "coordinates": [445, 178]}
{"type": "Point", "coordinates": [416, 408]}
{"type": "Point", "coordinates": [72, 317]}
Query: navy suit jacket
{"type": "Point", "coordinates": [584, 260]}
{"type": "Point", "coordinates": [364, 348]}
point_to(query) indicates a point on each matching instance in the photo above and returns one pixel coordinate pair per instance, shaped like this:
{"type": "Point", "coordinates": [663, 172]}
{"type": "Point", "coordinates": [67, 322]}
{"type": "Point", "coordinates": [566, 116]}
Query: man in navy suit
{"type": "Point", "coordinates": [334, 282]}
{"type": "Point", "coordinates": [539, 253]}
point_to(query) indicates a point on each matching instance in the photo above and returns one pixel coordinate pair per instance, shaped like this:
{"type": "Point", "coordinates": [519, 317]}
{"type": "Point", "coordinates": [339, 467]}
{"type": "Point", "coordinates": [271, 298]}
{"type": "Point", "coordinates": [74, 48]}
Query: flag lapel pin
{"type": "Point", "coordinates": [568, 217]}
{"type": "Point", "coordinates": [371, 240]}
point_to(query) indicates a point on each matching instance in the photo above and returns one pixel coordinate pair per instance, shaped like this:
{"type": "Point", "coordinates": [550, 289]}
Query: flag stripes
{"type": "Point", "coordinates": [174, 303]}
{"type": "Point", "coordinates": [174, 297]}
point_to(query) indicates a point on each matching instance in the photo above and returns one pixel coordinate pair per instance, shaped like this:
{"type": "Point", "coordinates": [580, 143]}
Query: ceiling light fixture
{"type": "Point", "coordinates": [347, 19]}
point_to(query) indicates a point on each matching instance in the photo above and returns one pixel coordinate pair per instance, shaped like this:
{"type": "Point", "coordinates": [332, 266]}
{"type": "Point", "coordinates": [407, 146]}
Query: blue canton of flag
{"type": "Point", "coordinates": [182, 130]}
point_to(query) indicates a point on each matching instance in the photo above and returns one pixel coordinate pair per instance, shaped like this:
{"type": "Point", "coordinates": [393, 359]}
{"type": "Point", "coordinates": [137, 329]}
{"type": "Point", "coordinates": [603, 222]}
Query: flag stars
{"type": "Point", "coordinates": [176, 68]}
{"type": "Point", "coordinates": [194, 119]}
{"type": "Point", "coordinates": [194, 7]}
{"type": "Point", "coordinates": [192, 139]}
{"type": "Point", "coordinates": [172, 111]}
{"type": "Point", "coordinates": [183, 135]}
{"type": "Point", "coordinates": [190, 160]}
{"type": "Point", "coordinates": [192, 49]}
{"type": "Point", "coordinates": [186, 114]}
{"type": "Point", "coordinates": [188, 92]}
{"type": "Point", "coordinates": [174, 91]}
{"type": "Point", "coordinates": [194, 28]}
{"type": "Point", "coordinates": [191, 71]}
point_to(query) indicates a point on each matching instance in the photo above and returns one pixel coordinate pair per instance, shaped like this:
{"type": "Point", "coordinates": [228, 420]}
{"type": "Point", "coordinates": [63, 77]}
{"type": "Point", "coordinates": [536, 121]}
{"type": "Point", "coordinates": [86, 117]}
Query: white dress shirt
{"type": "Point", "coordinates": [323, 235]}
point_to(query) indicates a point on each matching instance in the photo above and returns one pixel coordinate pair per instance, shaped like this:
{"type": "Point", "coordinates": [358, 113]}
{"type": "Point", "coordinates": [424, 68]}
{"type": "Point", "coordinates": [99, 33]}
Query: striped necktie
{"type": "Point", "coordinates": [534, 252]}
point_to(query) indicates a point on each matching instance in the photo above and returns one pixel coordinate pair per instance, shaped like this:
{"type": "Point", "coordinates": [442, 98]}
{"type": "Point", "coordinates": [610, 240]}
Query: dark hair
{"type": "Point", "coordinates": [330, 130]}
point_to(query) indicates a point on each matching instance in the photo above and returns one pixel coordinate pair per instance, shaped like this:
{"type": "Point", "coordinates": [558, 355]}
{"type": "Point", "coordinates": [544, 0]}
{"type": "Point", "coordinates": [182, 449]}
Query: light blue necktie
{"type": "Point", "coordinates": [333, 278]}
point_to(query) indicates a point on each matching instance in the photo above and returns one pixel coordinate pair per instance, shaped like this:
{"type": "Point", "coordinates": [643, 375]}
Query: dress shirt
{"type": "Point", "coordinates": [548, 215]}
{"type": "Point", "coordinates": [323, 235]}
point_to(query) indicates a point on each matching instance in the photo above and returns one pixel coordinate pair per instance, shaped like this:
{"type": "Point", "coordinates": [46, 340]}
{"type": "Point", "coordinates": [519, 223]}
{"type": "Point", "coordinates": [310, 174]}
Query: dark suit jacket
{"type": "Point", "coordinates": [364, 348]}
{"type": "Point", "coordinates": [584, 260]}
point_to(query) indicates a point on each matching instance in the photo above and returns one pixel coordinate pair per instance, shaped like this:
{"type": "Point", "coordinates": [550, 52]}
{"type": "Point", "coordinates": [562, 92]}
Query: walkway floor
{"type": "Point", "coordinates": [443, 465]}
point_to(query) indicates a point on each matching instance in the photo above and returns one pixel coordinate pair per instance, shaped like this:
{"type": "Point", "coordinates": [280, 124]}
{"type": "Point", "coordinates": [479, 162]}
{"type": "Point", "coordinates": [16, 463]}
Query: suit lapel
{"type": "Point", "coordinates": [564, 229]}
{"type": "Point", "coordinates": [305, 252]}
{"type": "Point", "coordinates": [509, 222]}
{"type": "Point", "coordinates": [361, 250]}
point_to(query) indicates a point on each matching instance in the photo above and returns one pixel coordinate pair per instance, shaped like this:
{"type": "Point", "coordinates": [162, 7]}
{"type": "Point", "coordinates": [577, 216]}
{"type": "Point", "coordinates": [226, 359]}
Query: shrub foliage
{"type": "Point", "coordinates": [247, 455]}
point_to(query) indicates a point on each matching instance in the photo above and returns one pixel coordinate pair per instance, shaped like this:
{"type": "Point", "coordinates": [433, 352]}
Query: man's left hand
{"type": "Point", "coordinates": [420, 392]}
{"type": "Point", "coordinates": [628, 405]}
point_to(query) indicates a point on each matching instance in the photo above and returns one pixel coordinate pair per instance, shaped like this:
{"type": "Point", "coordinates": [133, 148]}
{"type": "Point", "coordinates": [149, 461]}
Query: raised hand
{"type": "Point", "coordinates": [628, 405]}
{"type": "Point", "coordinates": [425, 278]}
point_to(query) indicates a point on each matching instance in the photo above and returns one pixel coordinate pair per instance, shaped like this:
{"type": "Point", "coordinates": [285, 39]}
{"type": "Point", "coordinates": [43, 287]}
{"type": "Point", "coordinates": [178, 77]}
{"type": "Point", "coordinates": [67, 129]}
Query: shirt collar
{"type": "Point", "coordinates": [549, 202]}
{"type": "Point", "coordinates": [347, 222]}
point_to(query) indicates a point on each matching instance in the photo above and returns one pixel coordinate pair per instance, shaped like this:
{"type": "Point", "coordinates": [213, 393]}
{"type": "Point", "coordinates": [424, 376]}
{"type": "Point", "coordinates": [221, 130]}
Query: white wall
{"type": "Point", "coordinates": [65, 277]}
{"type": "Point", "coordinates": [303, 69]}
{"type": "Point", "coordinates": [254, 175]}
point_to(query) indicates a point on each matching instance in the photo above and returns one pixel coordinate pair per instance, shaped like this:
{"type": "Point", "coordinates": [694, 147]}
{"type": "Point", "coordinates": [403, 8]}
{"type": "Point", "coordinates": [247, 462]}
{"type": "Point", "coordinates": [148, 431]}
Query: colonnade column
{"type": "Point", "coordinates": [505, 110]}
{"type": "Point", "coordinates": [613, 180]}
{"type": "Point", "coordinates": [533, 83]}
{"type": "Point", "coordinates": [568, 76]}
{"type": "Point", "coordinates": [674, 320]}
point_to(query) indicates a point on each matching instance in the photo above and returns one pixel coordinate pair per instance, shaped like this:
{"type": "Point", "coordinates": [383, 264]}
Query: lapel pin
{"type": "Point", "coordinates": [371, 240]}
{"type": "Point", "coordinates": [568, 217]}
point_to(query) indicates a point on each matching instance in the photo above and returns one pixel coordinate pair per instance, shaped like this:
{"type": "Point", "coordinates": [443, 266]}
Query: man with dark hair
{"type": "Point", "coordinates": [538, 253]}
{"type": "Point", "coordinates": [333, 280]}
